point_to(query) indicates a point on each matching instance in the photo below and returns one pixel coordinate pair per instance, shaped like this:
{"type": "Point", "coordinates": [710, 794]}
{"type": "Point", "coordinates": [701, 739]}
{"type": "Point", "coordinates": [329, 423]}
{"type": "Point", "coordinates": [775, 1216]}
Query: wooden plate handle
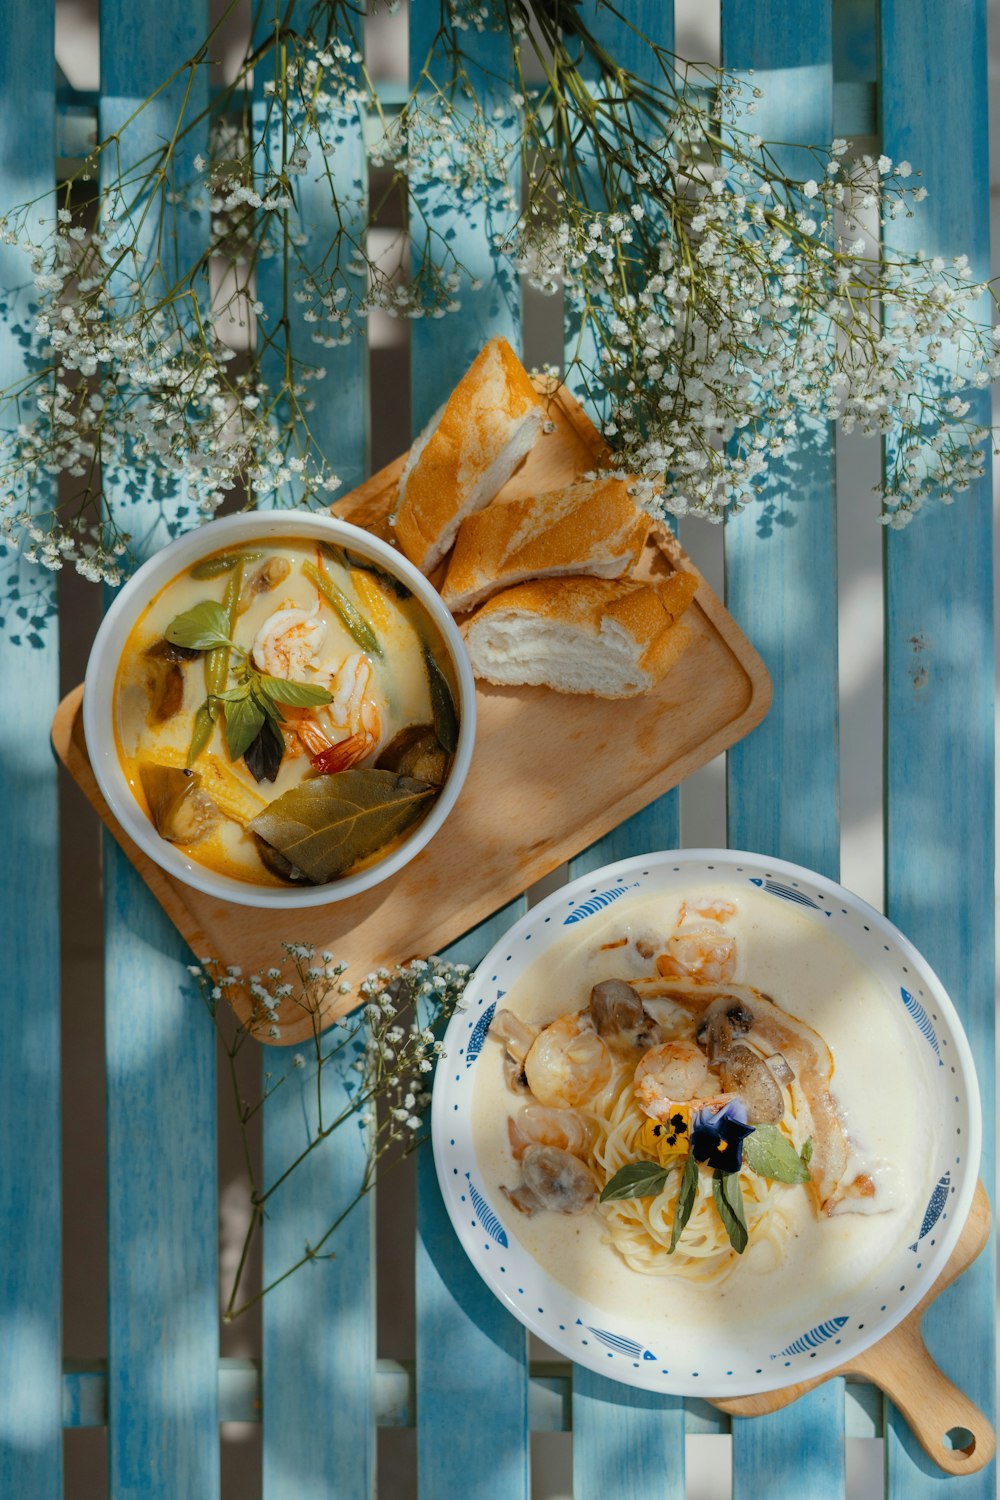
{"type": "Point", "coordinates": [948, 1426]}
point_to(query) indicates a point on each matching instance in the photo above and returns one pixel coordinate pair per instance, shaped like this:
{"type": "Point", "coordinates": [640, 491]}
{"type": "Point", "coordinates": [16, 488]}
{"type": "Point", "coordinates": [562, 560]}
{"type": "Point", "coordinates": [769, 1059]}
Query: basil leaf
{"type": "Point", "coordinates": [728, 1197]}
{"type": "Point", "coordinates": [244, 720]}
{"type": "Point", "coordinates": [201, 733]}
{"type": "Point", "coordinates": [263, 757]}
{"type": "Point", "coordinates": [806, 1153]}
{"type": "Point", "coordinates": [201, 628]}
{"type": "Point", "coordinates": [639, 1179]}
{"type": "Point", "coordinates": [771, 1154]}
{"type": "Point", "coordinates": [298, 694]}
{"type": "Point", "coordinates": [326, 824]}
{"type": "Point", "coordinates": [685, 1202]}
{"type": "Point", "coordinates": [442, 703]}
{"type": "Point", "coordinates": [223, 562]}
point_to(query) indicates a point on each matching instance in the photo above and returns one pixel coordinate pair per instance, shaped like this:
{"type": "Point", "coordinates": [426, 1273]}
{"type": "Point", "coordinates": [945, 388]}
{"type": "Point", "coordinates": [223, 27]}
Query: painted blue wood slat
{"type": "Point", "coordinates": [781, 559]}
{"type": "Point", "coordinates": [781, 554]}
{"type": "Point", "coordinates": [319, 1326]}
{"type": "Point", "coordinates": [30, 1206]}
{"type": "Point", "coordinates": [939, 672]}
{"type": "Point", "coordinates": [627, 1443]}
{"type": "Point", "coordinates": [472, 1413]}
{"type": "Point", "coordinates": [163, 1315]}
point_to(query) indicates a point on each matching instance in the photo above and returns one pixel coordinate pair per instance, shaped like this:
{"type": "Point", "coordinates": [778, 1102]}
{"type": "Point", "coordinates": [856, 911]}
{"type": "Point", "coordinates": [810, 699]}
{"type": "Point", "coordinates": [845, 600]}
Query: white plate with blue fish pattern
{"type": "Point", "coordinates": [634, 1350]}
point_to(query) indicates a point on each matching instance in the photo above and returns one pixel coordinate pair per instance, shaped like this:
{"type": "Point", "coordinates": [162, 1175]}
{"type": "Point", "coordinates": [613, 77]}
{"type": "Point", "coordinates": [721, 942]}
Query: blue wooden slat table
{"type": "Point", "coordinates": [31, 1251]}
{"type": "Point", "coordinates": [471, 1392]}
{"type": "Point", "coordinates": [163, 1341]}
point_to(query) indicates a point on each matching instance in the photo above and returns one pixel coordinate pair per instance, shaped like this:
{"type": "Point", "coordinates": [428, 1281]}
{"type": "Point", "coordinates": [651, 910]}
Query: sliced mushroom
{"type": "Point", "coordinates": [743, 1072]}
{"type": "Point", "coordinates": [263, 579]}
{"type": "Point", "coordinates": [551, 1178]}
{"type": "Point", "coordinates": [416, 751]}
{"type": "Point", "coordinates": [272, 859]}
{"type": "Point", "coordinates": [164, 650]}
{"type": "Point", "coordinates": [165, 685]}
{"type": "Point", "coordinates": [615, 1006]}
{"type": "Point", "coordinates": [723, 1021]}
{"type": "Point", "coordinates": [180, 810]}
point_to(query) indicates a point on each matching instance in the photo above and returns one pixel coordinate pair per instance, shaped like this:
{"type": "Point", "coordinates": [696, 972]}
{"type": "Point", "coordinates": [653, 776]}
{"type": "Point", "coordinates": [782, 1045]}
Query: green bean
{"type": "Point", "coordinates": [350, 616]}
{"type": "Point", "coordinates": [217, 661]}
{"type": "Point", "coordinates": [223, 562]}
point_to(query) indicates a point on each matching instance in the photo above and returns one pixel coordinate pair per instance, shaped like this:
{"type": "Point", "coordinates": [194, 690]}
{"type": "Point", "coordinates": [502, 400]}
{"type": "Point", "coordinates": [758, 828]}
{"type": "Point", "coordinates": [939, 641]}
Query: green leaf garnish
{"type": "Point", "coordinates": [442, 703]}
{"type": "Point", "coordinates": [638, 1179]}
{"type": "Point", "coordinates": [728, 1197]}
{"type": "Point", "coordinates": [298, 694]}
{"type": "Point", "coordinates": [807, 1151]}
{"type": "Point", "coordinates": [685, 1202]}
{"type": "Point", "coordinates": [203, 627]}
{"type": "Point", "coordinates": [201, 733]}
{"type": "Point", "coordinates": [244, 719]}
{"type": "Point", "coordinates": [326, 824]}
{"type": "Point", "coordinates": [771, 1154]}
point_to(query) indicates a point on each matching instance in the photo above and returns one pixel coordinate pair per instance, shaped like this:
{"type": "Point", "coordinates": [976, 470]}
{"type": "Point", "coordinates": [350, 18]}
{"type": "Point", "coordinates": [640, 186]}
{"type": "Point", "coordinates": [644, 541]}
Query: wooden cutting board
{"type": "Point", "coordinates": [900, 1365]}
{"type": "Point", "coordinates": [550, 774]}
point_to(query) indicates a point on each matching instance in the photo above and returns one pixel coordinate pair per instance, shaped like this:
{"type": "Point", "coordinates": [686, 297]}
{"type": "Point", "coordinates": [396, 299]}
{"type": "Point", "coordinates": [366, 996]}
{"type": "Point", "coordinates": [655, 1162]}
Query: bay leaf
{"type": "Point", "coordinates": [728, 1197]}
{"type": "Point", "coordinates": [442, 703]}
{"type": "Point", "coordinates": [326, 824]}
{"type": "Point", "coordinates": [685, 1202]}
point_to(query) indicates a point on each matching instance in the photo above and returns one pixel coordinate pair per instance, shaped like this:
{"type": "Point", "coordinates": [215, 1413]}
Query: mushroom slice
{"type": "Point", "coordinates": [181, 811]}
{"type": "Point", "coordinates": [722, 1022]}
{"type": "Point", "coordinates": [558, 1180]}
{"type": "Point", "coordinates": [615, 1006]}
{"type": "Point", "coordinates": [744, 1073]}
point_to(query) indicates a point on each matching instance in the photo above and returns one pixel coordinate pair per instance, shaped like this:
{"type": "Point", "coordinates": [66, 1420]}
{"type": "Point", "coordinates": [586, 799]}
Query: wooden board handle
{"type": "Point", "coordinates": [901, 1367]}
{"type": "Point", "coordinates": [948, 1426]}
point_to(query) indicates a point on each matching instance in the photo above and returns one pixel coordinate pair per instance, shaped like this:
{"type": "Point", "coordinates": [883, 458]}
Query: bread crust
{"type": "Point", "coordinates": [646, 612]}
{"type": "Point", "coordinates": [591, 527]}
{"type": "Point", "coordinates": [483, 416]}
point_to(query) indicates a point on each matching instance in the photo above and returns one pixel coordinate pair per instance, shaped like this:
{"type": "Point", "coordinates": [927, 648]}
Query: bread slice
{"type": "Point", "coordinates": [589, 527]}
{"type": "Point", "coordinates": [612, 638]}
{"type": "Point", "coordinates": [466, 453]}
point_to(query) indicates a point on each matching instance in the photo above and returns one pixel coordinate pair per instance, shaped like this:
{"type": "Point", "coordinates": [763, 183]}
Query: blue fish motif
{"type": "Point", "coordinates": [935, 1208]}
{"type": "Point", "coordinates": [923, 1021]}
{"type": "Point", "coordinates": [598, 902]}
{"type": "Point", "coordinates": [478, 1036]}
{"type": "Point", "coordinates": [620, 1344]}
{"type": "Point", "coordinates": [812, 1340]}
{"type": "Point", "coordinates": [787, 893]}
{"type": "Point", "coordinates": [485, 1214]}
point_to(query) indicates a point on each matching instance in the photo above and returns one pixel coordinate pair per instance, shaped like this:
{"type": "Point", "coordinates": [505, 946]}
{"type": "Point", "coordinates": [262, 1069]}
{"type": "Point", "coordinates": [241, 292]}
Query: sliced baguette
{"type": "Point", "coordinates": [466, 453]}
{"type": "Point", "coordinates": [589, 527]}
{"type": "Point", "coordinates": [611, 638]}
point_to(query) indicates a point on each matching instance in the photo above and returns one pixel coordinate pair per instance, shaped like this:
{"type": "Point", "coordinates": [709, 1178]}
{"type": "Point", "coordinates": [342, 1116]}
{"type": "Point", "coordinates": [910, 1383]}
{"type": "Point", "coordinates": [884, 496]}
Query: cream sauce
{"type": "Point", "coordinates": [879, 1083]}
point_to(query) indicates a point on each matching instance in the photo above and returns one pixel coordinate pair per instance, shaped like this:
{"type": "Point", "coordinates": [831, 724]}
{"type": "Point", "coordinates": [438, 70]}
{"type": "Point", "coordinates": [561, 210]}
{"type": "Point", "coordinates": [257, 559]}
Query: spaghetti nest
{"type": "Point", "coordinates": [640, 1229]}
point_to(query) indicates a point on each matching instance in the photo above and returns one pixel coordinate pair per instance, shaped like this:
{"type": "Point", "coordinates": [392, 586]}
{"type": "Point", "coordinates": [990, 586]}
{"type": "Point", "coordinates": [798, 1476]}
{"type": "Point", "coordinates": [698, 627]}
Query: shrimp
{"type": "Point", "coordinates": [551, 1178]}
{"type": "Point", "coordinates": [347, 729]}
{"type": "Point", "coordinates": [568, 1062]}
{"type": "Point", "coordinates": [706, 955]}
{"type": "Point", "coordinates": [537, 1126]}
{"type": "Point", "coordinates": [287, 643]}
{"type": "Point", "coordinates": [516, 1036]}
{"type": "Point", "coordinates": [674, 1073]}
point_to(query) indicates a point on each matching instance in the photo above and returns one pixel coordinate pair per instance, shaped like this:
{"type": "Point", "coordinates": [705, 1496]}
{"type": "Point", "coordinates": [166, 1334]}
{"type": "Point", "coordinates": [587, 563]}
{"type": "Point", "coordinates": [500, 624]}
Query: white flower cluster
{"type": "Point", "coordinates": [728, 313]}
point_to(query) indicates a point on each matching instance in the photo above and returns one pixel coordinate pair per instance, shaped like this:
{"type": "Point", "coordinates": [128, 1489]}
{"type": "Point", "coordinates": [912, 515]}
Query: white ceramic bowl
{"type": "Point", "coordinates": [102, 669]}
{"type": "Point", "coordinates": [637, 1349]}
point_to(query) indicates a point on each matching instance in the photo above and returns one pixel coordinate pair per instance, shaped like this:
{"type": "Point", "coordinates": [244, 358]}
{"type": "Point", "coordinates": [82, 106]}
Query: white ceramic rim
{"type": "Point", "coordinates": [934, 1263]}
{"type": "Point", "coordinates": [102, 672]}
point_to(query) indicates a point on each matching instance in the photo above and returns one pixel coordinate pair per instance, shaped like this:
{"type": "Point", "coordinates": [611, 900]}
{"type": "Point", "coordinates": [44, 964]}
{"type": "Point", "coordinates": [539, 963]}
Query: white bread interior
{"type": "Point", "coordinates": [591, 527]}
{"type": "Point", "coordinates": [467, 453]}
{"type": "Point", "coordinates": [609, 638]}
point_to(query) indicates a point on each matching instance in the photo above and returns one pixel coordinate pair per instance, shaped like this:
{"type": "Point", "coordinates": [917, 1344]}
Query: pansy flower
{"type": "Point", "coordinates": [717, 1136]}
{"type": "Point", "coordinates": [665, 1140]}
